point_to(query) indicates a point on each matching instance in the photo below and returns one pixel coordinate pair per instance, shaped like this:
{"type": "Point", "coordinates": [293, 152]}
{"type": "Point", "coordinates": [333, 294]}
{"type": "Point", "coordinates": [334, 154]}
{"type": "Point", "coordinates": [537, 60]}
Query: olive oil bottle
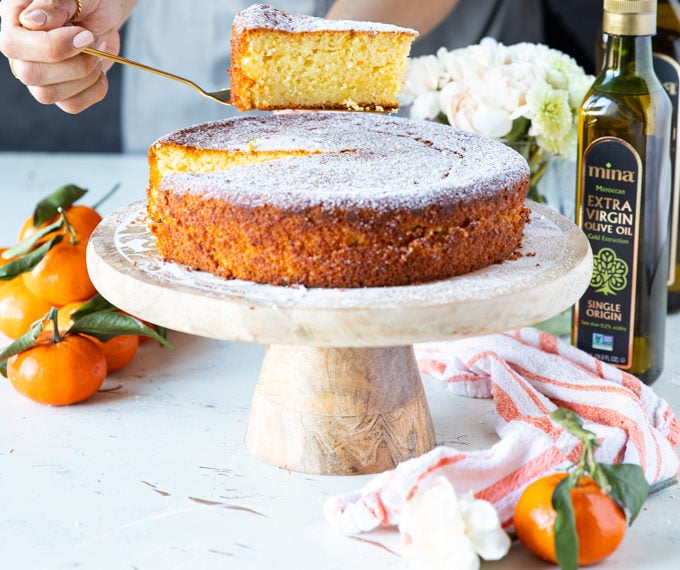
{"type": "Point", "coordinates": [666, 48]}
{"type": "Point", "coordinates": [623, 197]}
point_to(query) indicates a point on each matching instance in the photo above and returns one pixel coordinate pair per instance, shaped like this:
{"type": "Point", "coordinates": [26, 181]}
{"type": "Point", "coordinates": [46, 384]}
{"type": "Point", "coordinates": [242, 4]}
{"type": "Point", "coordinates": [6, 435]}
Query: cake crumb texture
{"type": "Point", "coordinates": [282, 61]}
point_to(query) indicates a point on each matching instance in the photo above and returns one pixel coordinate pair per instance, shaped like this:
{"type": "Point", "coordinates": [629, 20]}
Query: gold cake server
{"type": "Point", "coordinates": [223, 96]}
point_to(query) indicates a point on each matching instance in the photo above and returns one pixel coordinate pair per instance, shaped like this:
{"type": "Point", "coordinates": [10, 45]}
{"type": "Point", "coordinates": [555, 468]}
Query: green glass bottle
{"type": "Point", "coordinates": [666, 47]}
{"type": "Point", "coordinates": [623, 197]}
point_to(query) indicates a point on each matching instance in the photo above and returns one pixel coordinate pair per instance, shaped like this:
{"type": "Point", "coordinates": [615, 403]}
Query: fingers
{"type": "Point", "coordinates": [43, 48]}
{"type": "Point", "coordinates": [84, 99]}
{"type": "Point", "coordinates": [39, 30]}
{"type": "Point", "coordinates": [64, 90]}
{"type": "Point", "coordinates": [46, 47]}
{"type": "Point", "coordinates": [71, 96]}
{"type": "Point", "coordinates": [36, 14]}
{"type": "Point", "coordinates": [36, 74]}
{"type": "Point", "coordinates": [54, 71]}
{"type": "Point", "coordinates": [44, 15]}
{"type": "Point", "coordinates": [108, 42]}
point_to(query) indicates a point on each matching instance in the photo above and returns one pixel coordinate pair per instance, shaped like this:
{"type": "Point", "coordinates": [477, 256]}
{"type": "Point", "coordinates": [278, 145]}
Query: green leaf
{"type": "Point", "coordinates": [105, 325]}
{"type": "Point", "coordinates": [162, 331]}
{"type": "Point", "coordinates": [24, 342]}
{"type": "Point", "coordinates": [62, 197]}
{"type": "Point", "coordinates": [442, 118]}
{"type": "Point", "coordinates": [629, 487]}
{"type": "Point", "coordinates": [25, 246]}
{"type": "Point", "coordinates": [519, 129]}
{"type": "Point", "coordinates": [27, 262]}
{"type": "Point", "coordinates": [566, 539]}
{"type": "Point", "coordinates": [97, 303]}
{"type": "Point", "coordinates": [571, 421]}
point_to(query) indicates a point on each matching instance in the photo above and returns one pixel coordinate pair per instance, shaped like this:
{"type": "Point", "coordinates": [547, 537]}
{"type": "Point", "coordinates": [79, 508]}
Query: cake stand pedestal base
{"type": "Point", "coordinates": [340, 411]}
{"type": "Point", "coordinates": [339, 392]}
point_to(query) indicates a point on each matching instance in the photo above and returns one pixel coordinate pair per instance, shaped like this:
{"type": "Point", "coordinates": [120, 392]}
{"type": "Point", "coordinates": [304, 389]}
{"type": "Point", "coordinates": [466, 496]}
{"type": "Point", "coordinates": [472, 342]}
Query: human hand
{"type": "Point", "coordinates": [42, 40]}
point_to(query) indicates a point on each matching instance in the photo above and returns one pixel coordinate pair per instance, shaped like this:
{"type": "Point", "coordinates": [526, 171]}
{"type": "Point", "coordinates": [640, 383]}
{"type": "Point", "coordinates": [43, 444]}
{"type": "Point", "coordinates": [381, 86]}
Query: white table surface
{"type": "Point", "coordinates": [154, 474]}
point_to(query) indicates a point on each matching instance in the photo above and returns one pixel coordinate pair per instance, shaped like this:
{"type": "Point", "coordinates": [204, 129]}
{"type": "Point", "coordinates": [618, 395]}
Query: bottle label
{"type": "Point", "coordinates": [668, 72]}
{"type": "Point", "coordinates": [609, 214]}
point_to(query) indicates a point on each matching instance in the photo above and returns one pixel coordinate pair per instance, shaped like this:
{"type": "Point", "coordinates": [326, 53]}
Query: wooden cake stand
{"type": "Point", "coordinates": [339, 391]}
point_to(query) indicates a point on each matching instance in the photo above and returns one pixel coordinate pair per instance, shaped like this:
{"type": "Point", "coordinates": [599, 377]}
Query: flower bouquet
{"type": "Point", "coordinates": [526, 95]}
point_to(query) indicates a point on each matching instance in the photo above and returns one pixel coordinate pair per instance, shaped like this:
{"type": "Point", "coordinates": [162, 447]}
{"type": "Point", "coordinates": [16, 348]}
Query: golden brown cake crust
{"type": "Point", "coordinates": [356, 200]}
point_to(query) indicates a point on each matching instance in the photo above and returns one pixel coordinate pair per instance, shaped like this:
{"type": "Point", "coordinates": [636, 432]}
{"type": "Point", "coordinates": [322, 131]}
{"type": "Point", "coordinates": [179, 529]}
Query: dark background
{"type": "Point", "coordinates": [27, 125]}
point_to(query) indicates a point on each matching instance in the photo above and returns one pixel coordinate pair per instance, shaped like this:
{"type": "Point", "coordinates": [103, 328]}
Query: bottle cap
{"type": "Point", "coordinates": [629, 17]}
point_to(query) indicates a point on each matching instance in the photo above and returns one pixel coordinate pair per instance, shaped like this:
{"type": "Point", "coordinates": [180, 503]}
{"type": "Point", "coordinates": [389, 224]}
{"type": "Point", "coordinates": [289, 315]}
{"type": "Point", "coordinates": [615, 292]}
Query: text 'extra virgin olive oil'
{"type": "Point", "coordinates": [623, 197]}
{"type": "Point", "coordinates": [666, 53]}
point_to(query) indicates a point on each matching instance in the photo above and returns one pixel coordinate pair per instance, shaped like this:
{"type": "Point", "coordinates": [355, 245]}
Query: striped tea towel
{"type": "Point", "coordinates": [528, 373]}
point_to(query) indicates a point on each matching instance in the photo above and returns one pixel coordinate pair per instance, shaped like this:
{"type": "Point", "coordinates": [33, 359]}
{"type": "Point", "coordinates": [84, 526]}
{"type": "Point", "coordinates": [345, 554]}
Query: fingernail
{"type": "Point", "coordinates": [38, 17]}
{"type": "Point", "coordinates": [84, 38]}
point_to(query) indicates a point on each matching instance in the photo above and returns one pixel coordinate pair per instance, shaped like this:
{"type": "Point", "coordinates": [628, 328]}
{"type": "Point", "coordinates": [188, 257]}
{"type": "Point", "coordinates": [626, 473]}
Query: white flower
{"type": "Point", "coordinates": [423, 76]}
{"type": "Point", "coordinates": [464, 110]}
{"type": "Point", "coordinates": [578, 87]}
{"type": "Point", "coordinates": [509, 84]}
{"type": "Point", "coordinates": [426, 106]}
{"type": "Point", "coordinates": [550, 115]}
{"type": "Point", "coordinates": [441, 530]}
{"type": "Point", "coordinates": [484, 87]}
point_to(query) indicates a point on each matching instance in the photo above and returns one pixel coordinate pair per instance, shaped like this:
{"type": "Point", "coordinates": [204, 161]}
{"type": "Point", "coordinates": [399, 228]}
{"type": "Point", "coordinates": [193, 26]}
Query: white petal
{"type": "Point", "coordinates": [491, 545]}
{"type": "Point", "coordinates": [482, 515]}
{"type": "Point", "coordinates": [449, 555]}
{"type": "Point", "coordinates": [492, 121]}
{"type": "Point", "coordinates": [425, 106]}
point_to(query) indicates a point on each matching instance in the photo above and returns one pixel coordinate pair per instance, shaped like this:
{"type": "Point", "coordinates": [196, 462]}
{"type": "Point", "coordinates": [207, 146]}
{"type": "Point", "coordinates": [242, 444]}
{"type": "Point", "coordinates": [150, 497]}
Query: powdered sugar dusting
{"type": "Point", "coordinates": [363, 159]}
{"type": "Point", "coordinates": [260, 16]}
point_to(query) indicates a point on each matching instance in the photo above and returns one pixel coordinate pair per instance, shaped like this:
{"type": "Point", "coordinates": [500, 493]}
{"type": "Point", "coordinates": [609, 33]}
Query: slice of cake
{"type": "Point", "coordinates": [335, 199]}
{"type": "Point", "coordinates": [293, 61]}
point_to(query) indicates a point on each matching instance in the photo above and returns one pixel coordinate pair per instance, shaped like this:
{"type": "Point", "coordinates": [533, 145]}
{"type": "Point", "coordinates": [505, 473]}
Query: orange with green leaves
{"type": "Point", "coordinates": [578, 517]}
{"type": "Point", "coordinates": [19, 308]}
{"type": "Point", "coordinates": [51, 256]}
{"type": "Point", "coordinates": [58, 370]}
{"type": "Point", "coordinates": [82, 218]}
{"type": "Point", "coordinates": [61, 365]}
{"type": "Point", "coordinates": [118, 351]}
{"type": "Point", "coordinates": [52, 358]}
{"type": "Point", "coordinates": [600, 523]}
{"type": "Point", "coordinates": [61, 275]}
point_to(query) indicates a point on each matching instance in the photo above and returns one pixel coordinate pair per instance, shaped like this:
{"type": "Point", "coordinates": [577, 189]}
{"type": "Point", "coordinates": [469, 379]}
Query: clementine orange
{"type": "Point", "coordinates": [119, 350]}
{"type": "Point", "coordinates": [83, 219]}
{"type": "Point", "coordinates": [64, 320]}
{"type": "Point", "coordinates": [600, 521]}
{"type": "Point", "coordinates": [58, 373]}
{"type": "Point", "coordinates": [61, 276]}
{"type": "Point", "coordinates": [19, 308]}
{"type": "Point", "coordinates": [64, 313]}
{"type": "Point", "coordinates": [2, 262]}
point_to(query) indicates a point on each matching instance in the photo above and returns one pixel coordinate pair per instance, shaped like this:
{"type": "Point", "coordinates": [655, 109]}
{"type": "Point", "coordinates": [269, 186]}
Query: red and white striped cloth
{"type": "Point", "coordinates": [528, 373]}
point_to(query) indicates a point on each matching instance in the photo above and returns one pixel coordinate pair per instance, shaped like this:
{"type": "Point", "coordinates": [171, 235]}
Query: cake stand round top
{"type": "Point", "coordinates": [550, 275]}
